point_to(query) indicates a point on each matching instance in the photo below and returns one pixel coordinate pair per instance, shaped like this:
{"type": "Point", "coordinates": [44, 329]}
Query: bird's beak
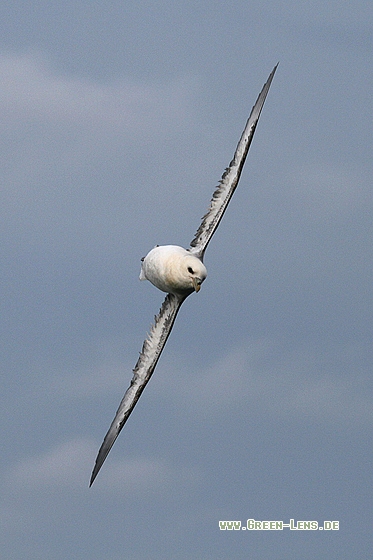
{"type": "Point", "coordinates": [197, 284]}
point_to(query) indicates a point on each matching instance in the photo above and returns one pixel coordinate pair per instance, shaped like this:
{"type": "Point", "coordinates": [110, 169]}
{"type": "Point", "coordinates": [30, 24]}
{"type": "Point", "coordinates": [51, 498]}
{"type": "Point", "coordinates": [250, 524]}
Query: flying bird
{"type": "Point", "coordinates": [179, 272]}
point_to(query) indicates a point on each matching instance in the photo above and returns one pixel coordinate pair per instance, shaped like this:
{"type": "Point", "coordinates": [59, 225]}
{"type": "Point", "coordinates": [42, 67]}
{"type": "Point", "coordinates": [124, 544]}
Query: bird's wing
{"type": "Point", "coordinates": [151, 351]}
{"type": "Point", "coordinates": [228, 183]}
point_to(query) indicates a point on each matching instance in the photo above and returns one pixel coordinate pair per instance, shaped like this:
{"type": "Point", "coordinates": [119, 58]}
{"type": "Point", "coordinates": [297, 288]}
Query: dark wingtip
{"type": "Point", "coordinates": [97, 468]}
{"type": "Point", "coordinates": [263, 94]}
{"type": "Point", "coordinates": [103, 452]}
{"type": "Point", "coordinates": [95, 471]}
{"type": "Point", "coordinates": [93, 475]}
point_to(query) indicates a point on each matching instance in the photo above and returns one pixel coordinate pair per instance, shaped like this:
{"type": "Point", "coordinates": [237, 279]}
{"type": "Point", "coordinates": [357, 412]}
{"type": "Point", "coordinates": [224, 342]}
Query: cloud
{"type": "Point", "coordinates": [264, 377]}
{"type": "Point", "coordinates": [260, 376]}
{"type": "Point", "coordinates": [77, 156]}
{"type": "Point", "coordinates": [62, 465]}
{"type": "Point", "coordinates": [29, 88]}
{"type": "Point", "coordinates": [149, 475]}
{"type": "Point", "coordinates": [68, 465]}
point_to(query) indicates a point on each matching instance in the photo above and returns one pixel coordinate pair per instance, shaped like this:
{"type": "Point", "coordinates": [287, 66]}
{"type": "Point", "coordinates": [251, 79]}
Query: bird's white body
{"type": "Point", "coordinates": [173, 270]}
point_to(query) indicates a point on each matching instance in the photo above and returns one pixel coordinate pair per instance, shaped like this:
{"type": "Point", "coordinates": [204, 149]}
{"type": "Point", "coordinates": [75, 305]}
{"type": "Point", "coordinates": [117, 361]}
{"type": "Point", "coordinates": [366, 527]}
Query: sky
{"type": "Point", "coordinates": [118, 120]}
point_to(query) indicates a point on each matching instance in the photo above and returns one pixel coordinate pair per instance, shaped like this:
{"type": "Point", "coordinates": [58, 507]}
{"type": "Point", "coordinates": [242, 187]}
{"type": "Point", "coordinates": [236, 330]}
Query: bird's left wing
{"type": "Point", "coordinates": [151, 351]}
{"type": "Point", "coordinates": [224, 191]}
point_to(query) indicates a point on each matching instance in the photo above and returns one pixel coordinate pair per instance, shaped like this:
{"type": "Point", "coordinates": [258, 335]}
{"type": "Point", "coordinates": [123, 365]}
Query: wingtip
{"type": "Point", "coordinates": [93, 476]}
{"type": "Point", "coordinates": [257, 109]}
{"type": "Point", "coordinates": [270, 78]}
{"type": "Point", "coordinates": [95, 472]}
{"type": "Point", "coordinates": [105, 448]}
{"type": "Point", "coordinates": [273, 71]}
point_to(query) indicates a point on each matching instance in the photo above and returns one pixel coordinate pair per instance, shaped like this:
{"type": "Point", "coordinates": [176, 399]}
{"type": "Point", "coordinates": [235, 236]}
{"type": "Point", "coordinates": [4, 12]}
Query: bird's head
{"type": "Point", "coordinates": [195, 271]}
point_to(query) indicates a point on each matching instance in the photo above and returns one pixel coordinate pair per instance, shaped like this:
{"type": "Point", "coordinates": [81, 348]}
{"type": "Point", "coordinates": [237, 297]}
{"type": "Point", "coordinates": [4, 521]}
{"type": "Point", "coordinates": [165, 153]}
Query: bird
{"type": "Point", "coordinates": [179, 272]}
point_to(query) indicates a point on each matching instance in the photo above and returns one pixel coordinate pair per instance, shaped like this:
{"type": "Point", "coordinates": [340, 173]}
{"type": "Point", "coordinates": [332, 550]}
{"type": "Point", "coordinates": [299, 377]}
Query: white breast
{"type": "Point", "coordinates": [168, 268]}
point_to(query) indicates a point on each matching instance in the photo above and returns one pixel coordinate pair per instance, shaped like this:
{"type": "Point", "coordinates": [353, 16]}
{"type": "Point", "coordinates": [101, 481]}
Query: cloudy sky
{"type": "Point", "coordinates": [118, 119]}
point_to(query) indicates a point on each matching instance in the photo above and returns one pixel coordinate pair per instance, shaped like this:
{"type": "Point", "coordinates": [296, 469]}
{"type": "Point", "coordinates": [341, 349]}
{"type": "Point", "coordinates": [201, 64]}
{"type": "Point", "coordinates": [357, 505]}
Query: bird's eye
{"type": "Point", "coordinates": [190, 269]}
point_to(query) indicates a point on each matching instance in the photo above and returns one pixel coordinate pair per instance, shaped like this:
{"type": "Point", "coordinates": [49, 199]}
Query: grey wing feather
{"type": "Point", "coordinates": [151, 351]}
{"type": "Point", "coordinates": [224, 191]}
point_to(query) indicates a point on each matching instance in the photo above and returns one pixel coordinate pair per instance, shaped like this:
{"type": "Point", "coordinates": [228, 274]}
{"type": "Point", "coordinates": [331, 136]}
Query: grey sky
{"type": "Point", "coordinates": [118, 120]}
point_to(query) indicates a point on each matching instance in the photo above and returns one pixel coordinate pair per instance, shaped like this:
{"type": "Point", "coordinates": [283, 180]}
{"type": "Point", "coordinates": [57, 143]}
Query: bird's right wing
{"type": "Point", "coordinates": [224, 191]}
{"type": "Point", "coordinates": [149, 356]}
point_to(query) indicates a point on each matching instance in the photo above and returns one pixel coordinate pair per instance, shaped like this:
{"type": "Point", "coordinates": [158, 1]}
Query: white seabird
{"type": "Point", "coordinates": [179, 272]}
